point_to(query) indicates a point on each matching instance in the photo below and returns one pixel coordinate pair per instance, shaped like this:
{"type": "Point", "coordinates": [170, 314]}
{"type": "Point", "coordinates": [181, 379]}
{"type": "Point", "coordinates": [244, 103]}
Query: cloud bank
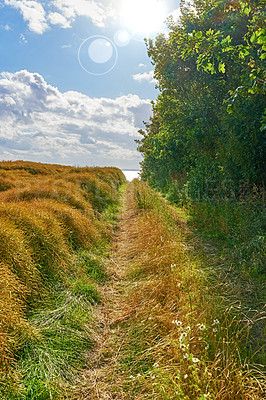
{"type": "Point", "coordinates": [40, 123]}
{"type": "Point", "coordinates": [41, 15]}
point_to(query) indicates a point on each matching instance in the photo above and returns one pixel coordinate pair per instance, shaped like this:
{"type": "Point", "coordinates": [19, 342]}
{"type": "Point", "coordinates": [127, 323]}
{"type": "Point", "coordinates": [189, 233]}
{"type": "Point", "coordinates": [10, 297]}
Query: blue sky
{"type": "Point", "coordinates": [75, 79]}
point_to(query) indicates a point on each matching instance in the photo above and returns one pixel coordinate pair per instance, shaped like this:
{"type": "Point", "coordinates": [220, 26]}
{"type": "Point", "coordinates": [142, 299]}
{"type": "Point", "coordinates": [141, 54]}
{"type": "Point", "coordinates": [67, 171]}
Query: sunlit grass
{"type": "Point", "coordinates": [52, 234]}
{"type": "Point", "coordinates": [184, 339]}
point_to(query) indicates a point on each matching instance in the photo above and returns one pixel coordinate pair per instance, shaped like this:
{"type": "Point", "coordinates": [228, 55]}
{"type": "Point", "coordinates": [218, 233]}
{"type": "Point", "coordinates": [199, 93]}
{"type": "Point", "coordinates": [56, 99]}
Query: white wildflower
{"type": "Point", "coordinates": [195, 359]}
{"type": "Point", "coordinates": [214, 330]}
{"type": "Point", "coordinates": [176, 322]}
{"type": "Point", "coordinates": [202, 327]}
{"type": "Point", "coordinates": [156, 365]}
{"type": "Point", "coordinates": [216, 322]}
{"type": "Point", "coordinates": [183, 347]}
{"type": "Point", "coordinates": [182, 336]}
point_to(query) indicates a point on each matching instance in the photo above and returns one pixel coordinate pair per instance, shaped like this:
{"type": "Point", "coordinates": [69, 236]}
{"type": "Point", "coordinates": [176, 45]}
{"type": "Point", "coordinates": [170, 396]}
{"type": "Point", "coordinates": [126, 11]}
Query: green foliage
{"type": "Point", "coordinates": [209, 119]}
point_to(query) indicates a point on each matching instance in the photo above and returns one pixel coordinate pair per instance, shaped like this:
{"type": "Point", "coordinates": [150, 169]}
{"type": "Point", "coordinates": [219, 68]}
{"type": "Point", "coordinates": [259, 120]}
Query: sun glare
{"type": "Point", "coordinates": [143, 16]}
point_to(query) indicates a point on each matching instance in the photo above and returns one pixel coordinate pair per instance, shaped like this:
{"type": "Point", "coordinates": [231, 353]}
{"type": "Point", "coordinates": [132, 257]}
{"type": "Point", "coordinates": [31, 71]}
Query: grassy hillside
{"type": "Point", "coordinates": [54, 232]}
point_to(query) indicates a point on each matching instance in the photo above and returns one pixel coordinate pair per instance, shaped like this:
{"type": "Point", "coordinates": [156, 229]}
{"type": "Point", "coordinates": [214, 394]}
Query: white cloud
{"type": "Point", "coordinates": [5, 27]}
{"type": "Point", "coordinates": [40, 123]}
{"type": "Point", "coordinates": [95, 10]}
{"type": "Point", "coordinates": [33, 13]}
{"type": "Point", "coordinates": [40, 15]}
{"type": "Point", "coordinates": [58, 19]}
{"type": "Point", "coordinates": [146, 76]}
{"type": "Point", "coordinates": [22, 39]}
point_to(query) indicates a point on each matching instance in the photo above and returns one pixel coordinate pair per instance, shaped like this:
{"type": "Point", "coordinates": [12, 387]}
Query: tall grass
{"type": "Point", "coordinates": [53, 231]}
{"type": "Point", "coordinates": [183, 339]}
{"type": "Point", "coordinates": [237, 226]}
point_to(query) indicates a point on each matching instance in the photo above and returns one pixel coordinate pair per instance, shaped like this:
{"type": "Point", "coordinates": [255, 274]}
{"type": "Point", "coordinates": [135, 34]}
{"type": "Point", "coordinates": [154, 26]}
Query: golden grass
{"type": "Point", "coordinates": [63, 192]}
{"type": "Point", "coordinates": [42, 233]}
{"type": "Point", "coordinates": [15, 252]}
{"type": "Point", "coordinates": [11, 312]}
{"type": "Point", "coordinates": [5, 184]}
{"type": "Point", "coordinates": [180, 340]}
{"type": "Point", "coordinates": [79, 227]}
{"type": "Point", "coordinates": [98, 191]}
{"type": "Point", "coordinates": [47, 212]}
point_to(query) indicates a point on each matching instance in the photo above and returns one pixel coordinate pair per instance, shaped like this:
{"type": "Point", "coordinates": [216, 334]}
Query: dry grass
{"type": "Point", "coordinates": [80, 228]}
{"type": "Point", "coordinates": [15, 252]}
{"type": "Point", "coordinates": [63, 192]}
{"type": "Point", "coordinates": [172, 335]}
{"type": "Point", "coordinates": [47, 213]}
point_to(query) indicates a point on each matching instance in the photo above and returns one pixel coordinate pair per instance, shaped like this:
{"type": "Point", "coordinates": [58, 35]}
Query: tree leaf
{"type": "Point", "coordinates": [222, 67]}
{"type": "Point", "coordinates": [253, 37]}
{"type": "Point", "coordinates": [198, 35]}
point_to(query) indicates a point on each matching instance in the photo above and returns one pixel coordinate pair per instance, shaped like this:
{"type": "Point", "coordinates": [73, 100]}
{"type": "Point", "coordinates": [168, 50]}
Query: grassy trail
{"type": "Point", "coordinates": [164, 327]}
{"type": "Point", "coordinates": [101, 379]}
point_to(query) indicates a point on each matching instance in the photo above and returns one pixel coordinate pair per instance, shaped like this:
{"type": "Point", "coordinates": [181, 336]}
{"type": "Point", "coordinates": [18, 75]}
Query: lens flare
{"type": "Point", "coordinates": [97, 55]}
{"type": "Point", "coordinates": [100, 50]}
{"type": "Point", "coordinates": [122, 38]}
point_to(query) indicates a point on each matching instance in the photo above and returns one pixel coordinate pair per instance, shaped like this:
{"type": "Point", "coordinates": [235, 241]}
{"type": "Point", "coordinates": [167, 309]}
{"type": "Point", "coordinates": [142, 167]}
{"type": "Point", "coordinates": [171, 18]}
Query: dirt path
{"type": "Point", "coordinates": [99, 381]}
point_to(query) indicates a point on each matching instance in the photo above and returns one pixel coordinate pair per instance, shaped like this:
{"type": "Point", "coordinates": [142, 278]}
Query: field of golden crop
{"type": "Point", "coordinates": [49, 214]}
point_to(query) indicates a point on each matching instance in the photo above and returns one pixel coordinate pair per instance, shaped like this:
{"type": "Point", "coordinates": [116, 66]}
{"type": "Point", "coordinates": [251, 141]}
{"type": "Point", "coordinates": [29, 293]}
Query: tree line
{"type": "Point", "coordinates": [209, 121]}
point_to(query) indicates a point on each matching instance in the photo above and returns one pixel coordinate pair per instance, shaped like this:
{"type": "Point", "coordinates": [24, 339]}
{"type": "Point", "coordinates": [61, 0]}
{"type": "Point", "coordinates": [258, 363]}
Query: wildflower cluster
{"type": "Point", "coordinates": [185, 338]}
{"type": "Point", "coordinates": [214, 324]}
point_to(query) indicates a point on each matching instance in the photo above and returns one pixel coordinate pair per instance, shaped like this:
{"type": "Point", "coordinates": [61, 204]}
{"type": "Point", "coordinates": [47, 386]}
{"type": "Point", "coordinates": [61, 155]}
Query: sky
{"type": "Point", "coordinates": [76, 82]}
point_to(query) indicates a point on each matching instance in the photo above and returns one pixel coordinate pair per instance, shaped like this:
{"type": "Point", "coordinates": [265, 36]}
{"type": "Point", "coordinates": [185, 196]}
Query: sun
{"type": "Point", "coordinates": [143, 16]}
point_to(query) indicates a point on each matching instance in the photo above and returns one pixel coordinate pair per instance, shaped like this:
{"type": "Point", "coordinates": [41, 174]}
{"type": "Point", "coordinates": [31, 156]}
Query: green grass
{"type": "Point", "coordinates": [94, 266]}
{"type": "Point", "coordinates": [49, 364]}
{"type": "Point", "coordinates": [64, 326]}
{"type": "Point", "coordinates": [237, 227]}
